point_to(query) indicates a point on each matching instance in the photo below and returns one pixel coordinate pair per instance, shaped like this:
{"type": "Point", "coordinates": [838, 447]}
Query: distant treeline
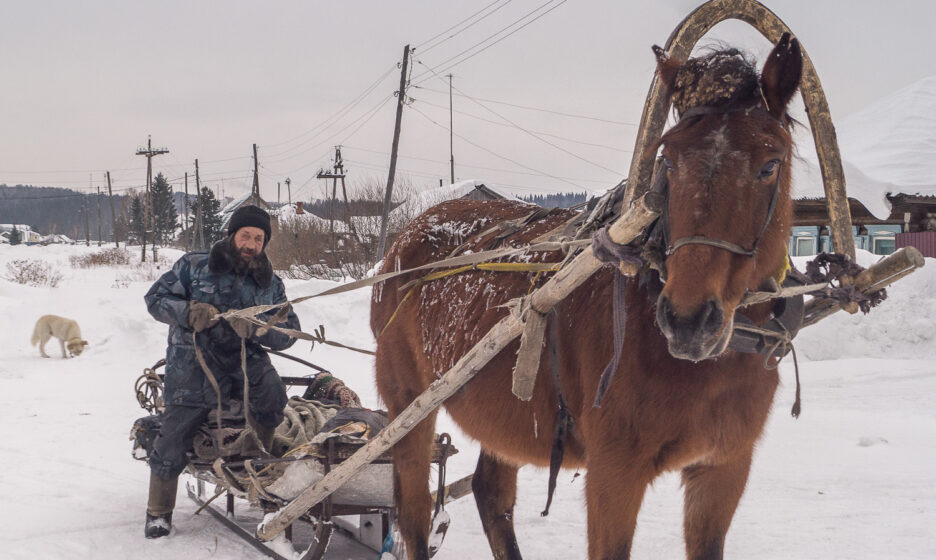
{"type": "Point", "coordinates": [49, 210]}
{"type": "Point", "coordinates": [556, 200]}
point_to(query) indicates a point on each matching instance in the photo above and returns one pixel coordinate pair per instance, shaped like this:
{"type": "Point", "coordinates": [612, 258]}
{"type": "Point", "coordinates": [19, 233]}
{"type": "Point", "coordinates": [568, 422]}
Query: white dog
{"type": "Point", "coordinates": [66, 330]}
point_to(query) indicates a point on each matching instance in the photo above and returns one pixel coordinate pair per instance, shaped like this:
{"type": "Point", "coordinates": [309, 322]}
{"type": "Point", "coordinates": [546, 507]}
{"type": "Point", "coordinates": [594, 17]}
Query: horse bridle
{"type": "Point", "coordinates": [705, 240]}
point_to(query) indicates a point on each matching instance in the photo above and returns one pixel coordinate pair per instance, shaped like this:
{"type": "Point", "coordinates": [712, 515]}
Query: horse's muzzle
{"type": "Point", "coordinates": [697, 336]}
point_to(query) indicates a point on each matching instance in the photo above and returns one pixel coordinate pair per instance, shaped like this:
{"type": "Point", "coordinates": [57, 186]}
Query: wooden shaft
{"type": "Point", "coordinates": [627, 227]}
{"type": "Point", "coordinates": [874, 278]}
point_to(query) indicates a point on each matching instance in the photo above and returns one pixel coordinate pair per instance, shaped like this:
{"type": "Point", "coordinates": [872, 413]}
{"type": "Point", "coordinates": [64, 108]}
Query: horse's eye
{"type": "Point", "coordinates": [769, 168]}
{"type": "Point", "coordinates": [667, 164]}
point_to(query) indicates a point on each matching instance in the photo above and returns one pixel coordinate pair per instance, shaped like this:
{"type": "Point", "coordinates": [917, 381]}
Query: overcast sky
{"type": "Point", "coordinates": [84, 83]}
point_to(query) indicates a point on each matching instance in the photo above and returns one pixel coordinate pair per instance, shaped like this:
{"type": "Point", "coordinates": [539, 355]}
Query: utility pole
{"type": "Point", "coordinates": [199, 230]}
{"type": "Point", "coordinates": [334, 176]}
{"type": "Point", "coordinates": [401, 99]}
{"type": "Point", "coordinates": [99, 216]}
{"type": "Point", "coordinates": [288, 190]}
{"type": "Point", "coordinates": [87, 228]}
{"type": "Point", "coordinates": [451, 132]}
{"type": "Point", "coordinates": [277, 193]}
{"type": "Point", "coordinates": [149, 152]}
{"type": "Point", "coordinates": [110, 196]}
{"type": "Point", "coordinates": [185, 208]}
{"type": "Point", "coordinates": [255, 191]}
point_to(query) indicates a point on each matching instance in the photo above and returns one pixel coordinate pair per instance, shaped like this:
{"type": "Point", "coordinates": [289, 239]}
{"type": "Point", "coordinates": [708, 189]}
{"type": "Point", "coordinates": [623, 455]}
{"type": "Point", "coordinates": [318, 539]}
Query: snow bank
{"type": "Point", "coordinates": [852, 478]}
{"type": "Point", "coordinates": [903, 326]}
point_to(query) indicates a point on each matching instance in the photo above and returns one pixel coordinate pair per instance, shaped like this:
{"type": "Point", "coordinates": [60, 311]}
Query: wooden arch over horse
{"type": "Point", "coordinates": [681, 42]}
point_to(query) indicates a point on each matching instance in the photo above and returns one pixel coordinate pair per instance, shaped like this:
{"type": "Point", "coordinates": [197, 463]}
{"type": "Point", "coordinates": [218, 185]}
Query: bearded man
{"type": "Point", "coordinates": [235, 274]}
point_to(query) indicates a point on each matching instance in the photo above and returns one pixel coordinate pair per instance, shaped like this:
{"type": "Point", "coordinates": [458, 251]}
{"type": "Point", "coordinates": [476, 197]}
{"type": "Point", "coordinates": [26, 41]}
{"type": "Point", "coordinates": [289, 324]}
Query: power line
{"type": "Point", "coordinates": [335, 116]}
{"type": "Point", "coordinates": [439, 175]}
{"type": "Point", "coordinates": [528, 107]}
{"type": "Point", "coordinates": [538, 8]}
{"type": "Point", "coordinates": [429, 48]}
{"type": "Point", "coordinates": [582, 142]}
{"type": "Point", "coordinates": [603, 181]}
{"type": "Point", "coordinates": [366, 115]}
{"type": "Point", "coordinates": [492, 152]}
{"type": "Point", "coordinates": [547, 142]}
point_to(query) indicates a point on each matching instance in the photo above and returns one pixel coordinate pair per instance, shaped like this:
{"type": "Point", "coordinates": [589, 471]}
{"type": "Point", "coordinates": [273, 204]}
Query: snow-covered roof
{"type": "Point", "coordinates": [887, 148]}
{"type": "Point", "coordinates": [422, 201]}
{"type": "Point", "coordinates": [287, 213]}
{"type": "Point", "coordinates": [235, 204]}
{"type": "Point", "coordinates": [57, 238]}
{"type": "Point", "coordinates": [19, 227]}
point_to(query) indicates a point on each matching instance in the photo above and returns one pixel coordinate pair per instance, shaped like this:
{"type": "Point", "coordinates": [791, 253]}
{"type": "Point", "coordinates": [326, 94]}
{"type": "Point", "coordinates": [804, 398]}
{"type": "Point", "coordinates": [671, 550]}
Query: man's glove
{"type": "Point", "coordinates": [200, 316]}
{"type": "Point", "coordinates": [243, 327]}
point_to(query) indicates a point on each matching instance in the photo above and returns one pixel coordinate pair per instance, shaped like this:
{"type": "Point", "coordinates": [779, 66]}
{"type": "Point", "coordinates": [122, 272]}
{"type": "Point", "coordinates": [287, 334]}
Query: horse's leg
{"type": "Point", "coordinates": [712, 494]}
{"type": "Point", "coordinates": [411, 460]}
{"type": "Point", "coordinates": [614, 491]}
{"type": "Point", "coordinates": [495, 491]}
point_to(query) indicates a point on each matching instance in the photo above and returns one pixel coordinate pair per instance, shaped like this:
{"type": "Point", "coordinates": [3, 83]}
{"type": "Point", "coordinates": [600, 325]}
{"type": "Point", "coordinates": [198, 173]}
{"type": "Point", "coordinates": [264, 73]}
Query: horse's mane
{"type": "Point", "coordinates": [721, 78]}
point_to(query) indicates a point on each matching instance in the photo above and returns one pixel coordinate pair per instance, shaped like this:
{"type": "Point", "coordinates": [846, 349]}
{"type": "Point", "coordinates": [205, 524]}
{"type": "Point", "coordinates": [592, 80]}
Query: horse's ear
{"type": "Point", "coordinates": [781, 74]}
{"type": "Point", "coordinates": [667, 68]}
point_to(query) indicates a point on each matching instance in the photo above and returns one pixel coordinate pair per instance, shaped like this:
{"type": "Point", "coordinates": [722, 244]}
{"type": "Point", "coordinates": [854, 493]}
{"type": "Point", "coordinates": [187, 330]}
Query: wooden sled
{"type": "Point", "coordinates": [361, 511]}
{"type": "Point", "coordinates": [311, 535]}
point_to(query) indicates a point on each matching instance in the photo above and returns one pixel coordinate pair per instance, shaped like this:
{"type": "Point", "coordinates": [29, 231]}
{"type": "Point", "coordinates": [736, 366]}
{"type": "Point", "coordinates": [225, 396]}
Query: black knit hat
{"type": "Point", "coordinates": [250, 216]}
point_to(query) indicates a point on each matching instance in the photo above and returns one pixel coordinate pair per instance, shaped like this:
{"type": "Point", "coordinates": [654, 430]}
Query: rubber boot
{"type": "Point", "coordinates": [162, 497]}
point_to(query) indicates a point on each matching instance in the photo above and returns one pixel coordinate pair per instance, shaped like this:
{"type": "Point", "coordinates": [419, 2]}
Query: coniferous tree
{"type": "Point", "coordinates": [15, 237]}
{"type": "Point", "coordinates": [165, 216]}
{"type": "Point", "coordinates": [137, 218]}
{"type": "Point", "coordinates": [211, 215]}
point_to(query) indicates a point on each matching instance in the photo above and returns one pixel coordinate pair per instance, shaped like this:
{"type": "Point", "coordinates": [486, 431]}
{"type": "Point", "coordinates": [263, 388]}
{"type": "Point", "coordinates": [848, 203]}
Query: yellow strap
{"type": "Point", "coordinates": [782, 274]}
{"type": "Point", "coordinates": [489, 267]}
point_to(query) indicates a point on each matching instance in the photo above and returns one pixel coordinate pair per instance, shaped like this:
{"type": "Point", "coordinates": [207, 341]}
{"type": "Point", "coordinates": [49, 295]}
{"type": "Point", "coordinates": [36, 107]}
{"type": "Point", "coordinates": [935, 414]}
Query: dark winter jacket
{"type": "Point", "coordinates": [213, 278]}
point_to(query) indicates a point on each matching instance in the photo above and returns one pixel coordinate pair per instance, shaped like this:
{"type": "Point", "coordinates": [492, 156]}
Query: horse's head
{"type": "Point", "coordinates": [728, 213]}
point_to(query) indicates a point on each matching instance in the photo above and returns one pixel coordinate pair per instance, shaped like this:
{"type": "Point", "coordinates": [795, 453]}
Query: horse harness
{"type": "Point", "coordinates": [771, 338]}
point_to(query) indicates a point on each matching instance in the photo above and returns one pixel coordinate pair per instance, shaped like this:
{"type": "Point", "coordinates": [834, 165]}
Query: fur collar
{"type": "Point", "coordinates": [223, 259]}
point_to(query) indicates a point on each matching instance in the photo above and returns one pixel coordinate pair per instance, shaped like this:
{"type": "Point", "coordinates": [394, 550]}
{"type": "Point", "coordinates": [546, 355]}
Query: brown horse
{"type": "Point", "coordinates": [679, 399]}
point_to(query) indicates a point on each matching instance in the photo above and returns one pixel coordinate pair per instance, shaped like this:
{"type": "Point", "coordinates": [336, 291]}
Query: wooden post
{"type": "Point", "coordinates": [149, 152]}
{"type": "Point", "coordinates": [110, 197]}
{"type": "Point", "coordinates": [87, 228]}
{"type": "Point", "coordinates": [199, 228]}
{"type": "Point", "coordinates": [401, 99]}
{"type": "Point", "coordinates": [99, 235]}
{"type": "Point", "coordinates": [255, 190]}
{"type": "Point", "coordinates": [451, 133]}
{"type": "Point", "coordinates": [185, 208]}
{"type": "Point", "coordinates": [624, 230]}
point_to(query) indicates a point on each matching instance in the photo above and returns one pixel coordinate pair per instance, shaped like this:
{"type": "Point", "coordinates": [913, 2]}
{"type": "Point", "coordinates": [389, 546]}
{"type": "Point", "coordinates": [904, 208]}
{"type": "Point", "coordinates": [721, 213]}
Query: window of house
{"type": "Point", "coordinates": [883, 245]}
{"type": "Point", "coordinates": [805, 246]}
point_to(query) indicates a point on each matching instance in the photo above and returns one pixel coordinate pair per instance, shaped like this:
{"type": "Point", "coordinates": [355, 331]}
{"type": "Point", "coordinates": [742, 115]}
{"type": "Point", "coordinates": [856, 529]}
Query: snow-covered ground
{"type": "Point", "coordinates": [854, 477]}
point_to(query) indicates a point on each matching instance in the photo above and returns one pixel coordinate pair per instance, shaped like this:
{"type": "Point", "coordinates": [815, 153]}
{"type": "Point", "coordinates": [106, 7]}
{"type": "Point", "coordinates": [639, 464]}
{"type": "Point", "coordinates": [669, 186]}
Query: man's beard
{"type": "Point", "coordinates": [245, 260]}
